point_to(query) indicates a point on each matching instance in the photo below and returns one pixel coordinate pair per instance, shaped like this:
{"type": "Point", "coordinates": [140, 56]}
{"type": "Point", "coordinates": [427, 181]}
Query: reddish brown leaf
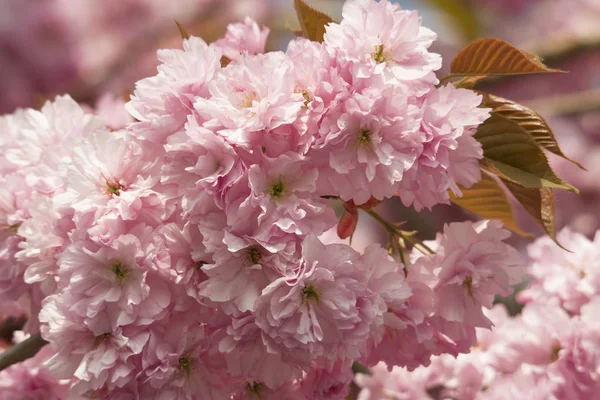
{"type": "Point", "coordinates": [312, 21]}
{"type": "Point", "coordinates": [488, 200]}
{"type": "Point", "coordinates": [539, 203]}
{"type": "Point", "coordinates": [491, 56]}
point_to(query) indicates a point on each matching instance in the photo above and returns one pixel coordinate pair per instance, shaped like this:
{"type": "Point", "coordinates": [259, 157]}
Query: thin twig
{"type": "Point", "coordinates": [419, 245]}
{"type": "Point", "coordinates": [21, 351]}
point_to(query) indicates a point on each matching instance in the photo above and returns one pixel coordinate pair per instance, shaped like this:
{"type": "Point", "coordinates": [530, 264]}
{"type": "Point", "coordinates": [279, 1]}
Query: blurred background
{"type": "Point", "coordinates": [96, 50]}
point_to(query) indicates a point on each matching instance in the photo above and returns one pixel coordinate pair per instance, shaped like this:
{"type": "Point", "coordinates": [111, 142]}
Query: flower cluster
{"type": "Point", "coordinates": [548, 351]}
{"type": "Point", "coordinates": [179, 256]}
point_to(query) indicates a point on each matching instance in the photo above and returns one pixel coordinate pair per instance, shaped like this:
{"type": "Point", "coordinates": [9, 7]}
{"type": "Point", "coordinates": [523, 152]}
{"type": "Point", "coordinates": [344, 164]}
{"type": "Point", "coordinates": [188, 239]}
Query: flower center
{"type": "Point", "coordinates": [254, 389]}
{"type": "Point", "coordinates": [113, 187]}
{"type": "Point", "coordinates": [309, 294]}
{"type": "Point", "coordinates": [199, 265]}
{"type": "Point", "coordinates": [120, 270]}
{"type": "Point", "coordinates": [554, 353]}
{"type": "Point", "coordinates": [277, 189]}
{"type": "Point", "coordinates": [364, 137]}
{"type": "Point", "coordinates": [468, 283]}
{"type": "Point", "coordinates": [101, 338]}
{"type": "Point", "coordinates": [381, 55]}
{"type": "Point", "coordinates": [248, 100]}
{"type": "Point", "coordinates": [254, 253]}
{"type": "Point", "coordinates": [185, 365]}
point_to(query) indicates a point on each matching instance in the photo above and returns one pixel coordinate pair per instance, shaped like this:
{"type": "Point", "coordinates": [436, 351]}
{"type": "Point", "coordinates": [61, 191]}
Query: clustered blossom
{"type": "Point", "coordinates": [179, 256]}
{"type": "Point", "coordinates": [548, 351]}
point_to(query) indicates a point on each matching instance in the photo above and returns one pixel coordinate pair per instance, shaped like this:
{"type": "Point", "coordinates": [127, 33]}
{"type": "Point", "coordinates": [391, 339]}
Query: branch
{"type": "Point", "coordinates": [418, 244]}
{"type": "Point", "coordinates": [21, 351]}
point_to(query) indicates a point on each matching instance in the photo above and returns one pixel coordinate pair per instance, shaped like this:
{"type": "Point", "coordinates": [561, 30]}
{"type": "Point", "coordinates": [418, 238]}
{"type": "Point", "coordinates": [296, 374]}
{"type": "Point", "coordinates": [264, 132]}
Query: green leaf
{"type": "Point", "coordinates": [182, 31]}
{"type": "Point", "coordinates": [312, 21]}
{"type": "Point", "coordinates": [488, 200]}
{"type": "Point", "coordinates": [539, 203]}
{"type": "Point", "coordinates": [491, 56]}
{"type": "Point", "coordinates": [529, 120]}
{"type": "Point", "coordinates": [511, 153]}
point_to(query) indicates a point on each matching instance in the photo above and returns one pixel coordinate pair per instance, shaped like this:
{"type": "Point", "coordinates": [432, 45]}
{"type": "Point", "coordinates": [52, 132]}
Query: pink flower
{"type": "Point", "coordinates": [378, 38]}
{"type": "Point", "coordinates": [46, 235]}
{"type": "Point", "coordinates": [571, 279]}
{"type": "Point", "coordinates": [450, 155]}
{"type": "Point", "coordinates": [95, 352]}
{"type": "Point", "coordinates": [162, 103]}
{"type": "Point", "coordinates": [248, 97]}
{"type": "Point", "coordinates": [113, 176]}
{"type": "Point", "coordinates": [177, 361]}
{"type": "Point", "coordinates": [367, 144]}
{"type": "Point", "coordinates": [472, 265]}
{"type": "Point", "coordinates": [283, 198]}
{"type": "Point", "coordinates": [324, 384]}
{"type": "Point", "coordinates": [319, 79]}
{"type": "Point", "coordinates": [201, 165]}
{"type": "Point", "coordinates": [245, 38]}
{"type": "Point", "coordinates": [239, 274]}
{"type": "Point", "coordinates": [112, 110]}
{"type": "Point", "coordinates": [245, 350]}
{"type": "Point", "coordinates": [578, 366]}
{"type": "Point", "coordinates": [328, 309]}
{"type": "Point", "coordinates": [395, 384]}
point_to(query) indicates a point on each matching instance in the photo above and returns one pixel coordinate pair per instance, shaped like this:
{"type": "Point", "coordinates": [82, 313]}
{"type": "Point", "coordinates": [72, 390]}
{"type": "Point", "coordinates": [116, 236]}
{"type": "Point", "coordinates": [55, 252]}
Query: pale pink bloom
{"type": "Point", "coordinates": [534, 337]}
{"type": "Point", "coordinates": [450, 155]}
{"type": "Point", "coordinates": [238, 275]}
{"type": "Point", "coordinates": [112, 110]}
{"type": "Point", "coordinates": [253, 390]}
{"type": "Point", "coordinates": [45, 142]}
{"type": "Point", "coordinates": [200, 164]}
{"type": "Point", "coordinates": [94, 351]}
{"type": "Point", "coordinates": [379, 38]}
{"type": "Point", "coordinates": [409, 339]}
{"type": "Point", "coordinates": [117, 280]}
{"type": "Point", "coordinates": [319, 79]}
{"type": "Point", "coordinates": [395, 384]}
{"type": "Point", "coordinates": [247, 355]}
{"type": "Point", "coordinates": [569, 278]}
{"type": "Point", "coordinates": [162, 103]}
{"type": "Point", "coordinates": [180, 257]}
{"type": "Point", "coordinates": [256, 94]}
{"type": "Point", "coordinates": [112, 174]}
{"type": "Point", "coordinates": [46, 235]}
{"type": "Point", "coordinates": [243, 38]}
{"type": "Point", "coordinates": [328, 309]}
{"type": "Point", "coordinates": [327, 384]}
{"type": "Point", "coordinates": [283, 199]}
{"type": "Point", "coordinates": [578, 367]}
{"type": "Point", "coordinates": [177, 360]}
{"type": "Point", "coordinates": [472, 265]}
{"type": "Point", "coordinates": [366, 144]}
{"type": "Point", "coordinates": [11, 126]}
{"type": "Point", "coordinates": [528, 382]}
